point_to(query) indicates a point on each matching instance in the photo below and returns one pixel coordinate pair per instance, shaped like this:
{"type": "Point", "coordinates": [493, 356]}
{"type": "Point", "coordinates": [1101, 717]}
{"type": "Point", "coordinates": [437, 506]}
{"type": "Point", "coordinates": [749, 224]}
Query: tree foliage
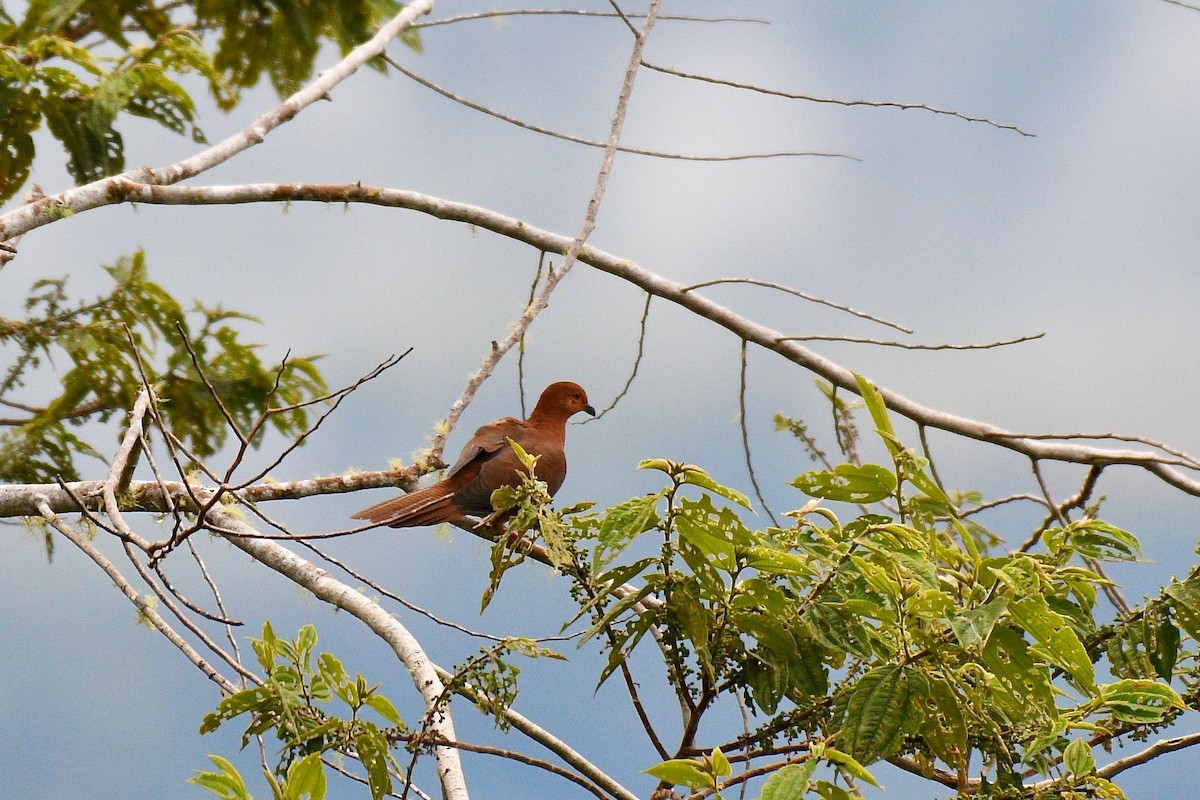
{"type": "Point", "coordinates": [878, 623]}
{"type": "Point", "coordinates": [78, 66]}
{"type": "Point", "coordinates": [109, 347]}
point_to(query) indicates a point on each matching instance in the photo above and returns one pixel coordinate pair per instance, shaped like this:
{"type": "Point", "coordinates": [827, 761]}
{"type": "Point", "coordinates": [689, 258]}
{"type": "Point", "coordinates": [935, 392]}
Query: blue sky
{"type": "Point", "coordinates": [963, 231]}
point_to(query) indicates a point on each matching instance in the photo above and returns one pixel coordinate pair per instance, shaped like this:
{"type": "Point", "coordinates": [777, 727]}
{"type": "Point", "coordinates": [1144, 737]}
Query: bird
{"type": "Point", "coordinates": [488, 462]}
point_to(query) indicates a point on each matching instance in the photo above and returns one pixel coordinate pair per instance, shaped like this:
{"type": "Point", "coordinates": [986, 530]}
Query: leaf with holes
{"type": "Point", "coordinates": [876, 713]}
{"type": "Point", "coordinates": [1056, 641]}
{"type": "Point", "coordinates": [789, 783]}
{"type": "Point", "coordinates": [1020, 686]}
{"type": "Point", "coordinates": [849, 483]}
{"type": "Point", "coordinates": [1140, 701]}
{"type": "Point", "coordinates": [975, 626]}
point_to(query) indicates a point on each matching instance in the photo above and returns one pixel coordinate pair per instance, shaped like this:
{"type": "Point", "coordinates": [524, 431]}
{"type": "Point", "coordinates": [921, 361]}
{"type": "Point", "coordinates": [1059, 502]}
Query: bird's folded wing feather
{"type": "Point", "coordinates": [489, 440]}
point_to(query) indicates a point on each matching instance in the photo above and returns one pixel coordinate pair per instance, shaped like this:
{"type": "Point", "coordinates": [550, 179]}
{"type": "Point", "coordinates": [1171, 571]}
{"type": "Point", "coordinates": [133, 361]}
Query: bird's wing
{"type": "Point", "coordinates": [487, 441]}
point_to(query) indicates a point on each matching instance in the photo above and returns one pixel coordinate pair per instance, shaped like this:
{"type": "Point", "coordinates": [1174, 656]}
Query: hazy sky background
{"type": "Point", "coordinates": [967, 233]}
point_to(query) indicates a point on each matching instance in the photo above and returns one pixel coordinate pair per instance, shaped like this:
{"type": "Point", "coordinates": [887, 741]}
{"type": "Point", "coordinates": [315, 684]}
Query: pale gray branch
{"type": "Point", "coordinates": [424, 673]}
{"type": "Point", "coordinates": [1164, 467]}
{"type": "Point", "coordinates": [49, 209]}
{"type": "Point", "coordinates": [1161, 747]}
{"type": "Point", "coordinates": [570, 253]}
{"type": "Point", "coordinates": [908, 346]}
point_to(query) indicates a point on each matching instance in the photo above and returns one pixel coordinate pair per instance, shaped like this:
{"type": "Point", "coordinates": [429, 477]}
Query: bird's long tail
{"type": "Point", "coordinates": [427, 506]}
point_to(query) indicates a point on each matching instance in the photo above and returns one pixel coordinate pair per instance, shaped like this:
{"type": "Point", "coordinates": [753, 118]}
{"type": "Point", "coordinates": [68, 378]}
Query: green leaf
{"type": "Point", "coordinates": [839, 629]}
{"type": "Point", "coordinates": [1094, 538]}
{"type": "Point", "coordinates": [849, 483]}
{"type": "Point", "coordinates": [876, 713]}
{"type": "Point", "coordinates": [615, 610]}
{"type": "Point", "coordinates": [708, 539]}
{"type": "Point", "coordinates": [831, 791]}
{"type": "Point", "coordinates": [944, 727]}
{"type": "Point", "coordinates": [621, 525]}
{"type": "Point", "coordinates": [790, 782]}
{"type": "Point", "coordinates": [1162, 641]}
{"type": "Point", "coordinates": [1021, 686]}
{"type": "Point", "coordinates": [226, 784]}
{"type": "Point", "coordinates": [1186, 602]}
{"type": "Point", "coordinates": [660, 464]}
{"type": "Point", "coordinates": [1077, 757]}
{"type": "Point", "coordinates": [1139, 701]}
{"type": "Point", "coordinates": [384, 708]}
{"type": "Point", "coordinates": [372, 749]}
{"type": "Point", "coordinates": [975, 626]}
{"type": "Point", "coordinates": [875, 405]}
{"type": "Point", "coordinates": [1056, 641]}
{"type": "Point", "coordinates": [776, 562]}
{"type": "Point", "coordinates": [681, 772]}
{"type": "Point", "coordinates": [844, 762]}
{"type": "Point", "coordinates": [698, 477]}
{"type": "Point", "coordinates": [306, 779]}
{"type": "Point", "coordinates": [720, 764]}
{"type": "Point", "coordinates": [695, 620]}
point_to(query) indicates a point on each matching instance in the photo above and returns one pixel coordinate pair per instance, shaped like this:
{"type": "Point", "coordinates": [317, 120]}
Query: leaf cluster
{"type": "Point", "coordinates": [295, 704]}
{"type": "Point", "coordinates": [894, 634]}
{"type": "Point", "coordinates": [106, 348]}
{"type": "Point", "coordinates": [78, 65]}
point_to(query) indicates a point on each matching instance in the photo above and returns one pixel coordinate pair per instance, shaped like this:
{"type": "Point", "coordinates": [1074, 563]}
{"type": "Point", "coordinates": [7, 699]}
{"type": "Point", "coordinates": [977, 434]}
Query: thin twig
{"type": "Point", "coordinates": [1182, 4]}
{"type": "Point", "coordinates": [577, 13]}
{"type": "Point", "coordinates": [529, 126]}
{"type": "Point", "coordinates": [144, 608]}
{"type": "Point", "coordinates": [513, 755]}
{"type": "Point", "coordinates": [546, 739]}
{"type": "Point", "coordinates": [746, 435]}
{"type": "Point", "coordinates": [212, 586]}
{"type": "Point", "coordinates": [834, 100]}
{"type": "Point", "coordinates": [537, 278]}
{"type": "Point", "coordinates": [195, 629]}
{"type": "Point", "coordinates": [336, 397]}
{"type": "Point", "coordinates": [1012, 498]}
{"type": "Point", "coordinates": [637, 360]}
{"type": "Point", "coordinates": [358, 576]}
{"type": "Point", "coordinates": [906, 345]}
{"type": "Point", "coordinates": [802, 295]}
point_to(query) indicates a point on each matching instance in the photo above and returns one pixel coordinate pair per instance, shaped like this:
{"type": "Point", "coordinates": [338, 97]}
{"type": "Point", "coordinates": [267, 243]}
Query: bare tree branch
{"type": "Point", "coordinates": [1164, 467]}
{"type": "Point", "coordinates": [572, 251]}
{"type": "Point", "coordinates": [1161, 747]}
{"type": "Point", "coordinates": [566, 12]}
{"type": "Point", "coordinates": [425, 674]}
{"type": "Point", "coordinates": [48, 209]}
{"type": "Point", "coordinates": [529, 126]}
{"type": "Point", "coordinates": [802, 295]}
{"type": "Point", "coordinates": [908, 346]}
{"type": "Point", "coordinates": [834, 100]}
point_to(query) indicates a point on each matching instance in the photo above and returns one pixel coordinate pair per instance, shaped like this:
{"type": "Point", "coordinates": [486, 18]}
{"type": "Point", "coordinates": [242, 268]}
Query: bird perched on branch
{"type": "Point", "coordinates": [489, 462]}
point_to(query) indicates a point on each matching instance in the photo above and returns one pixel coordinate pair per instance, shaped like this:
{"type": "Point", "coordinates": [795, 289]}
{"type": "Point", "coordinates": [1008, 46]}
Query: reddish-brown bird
{"type": "Point", "coordinates": [488, 462]}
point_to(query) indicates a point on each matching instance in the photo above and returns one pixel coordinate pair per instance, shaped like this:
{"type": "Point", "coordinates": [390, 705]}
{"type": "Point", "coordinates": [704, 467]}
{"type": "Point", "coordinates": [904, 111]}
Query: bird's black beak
{"type": "Point", "coordinates": [588, 408]}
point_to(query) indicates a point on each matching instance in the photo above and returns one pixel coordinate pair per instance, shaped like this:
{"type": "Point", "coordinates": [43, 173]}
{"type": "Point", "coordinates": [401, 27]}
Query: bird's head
{"type": "Point", "coordinates": [563, 399]}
